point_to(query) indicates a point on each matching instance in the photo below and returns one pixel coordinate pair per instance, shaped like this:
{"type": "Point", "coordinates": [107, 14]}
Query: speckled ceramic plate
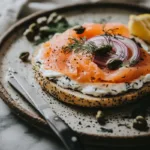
{"type": "Point", "coordinates": [82, 120]}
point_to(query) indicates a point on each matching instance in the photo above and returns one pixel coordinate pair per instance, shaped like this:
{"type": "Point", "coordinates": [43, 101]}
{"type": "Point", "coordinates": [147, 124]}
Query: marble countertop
{"type": "Point", "coordinates": [17, 135]}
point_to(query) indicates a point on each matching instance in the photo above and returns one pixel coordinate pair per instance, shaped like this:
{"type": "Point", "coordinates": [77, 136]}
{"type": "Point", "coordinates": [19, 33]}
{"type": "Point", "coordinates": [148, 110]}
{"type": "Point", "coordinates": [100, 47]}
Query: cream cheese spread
{"type": "Point", "coordinates": [95, 89]}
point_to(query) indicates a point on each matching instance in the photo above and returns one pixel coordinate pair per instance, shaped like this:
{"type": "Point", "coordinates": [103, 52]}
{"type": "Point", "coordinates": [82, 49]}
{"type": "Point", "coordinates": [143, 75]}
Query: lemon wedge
{"type": "Point", "coordinates": [140, 26]}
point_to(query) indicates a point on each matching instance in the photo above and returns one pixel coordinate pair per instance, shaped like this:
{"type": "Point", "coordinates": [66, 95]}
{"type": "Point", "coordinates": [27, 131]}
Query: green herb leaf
{"type": "Point", "coordinates": [79, 45]}
{"type": "Point", "coordinates": [40, 41]}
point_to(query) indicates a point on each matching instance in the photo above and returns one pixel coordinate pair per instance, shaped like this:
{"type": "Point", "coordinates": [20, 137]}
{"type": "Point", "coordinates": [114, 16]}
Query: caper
{"type": "Point", "coordinates": [103, 50]}
{"type": "Point", "coordinates": [44, 31]}
{"type": "Point", "coordinates": [29, 34]}
{"type": "Point", "coordinates": [60, 19]}
{"type": "Point", "coordinates": [100, 117]}
{"type": "Point", "coordinates": [41, 21]}
{"type": "Point", "coordinates": [37, 38]}
{"type": "Point", "coordinates": [114, 63]}
{"type": "Point", "coordinates": [79, 29]}
{"type": "Point", "coordinates": [24, 56]}
{"type": "Point", "coordinates": [140, 123]}
{"type": "Point", "coordinates": [141, 119]}
{"type": "Point", "coordinates": [51, 18]}
{"type": "Point", "coordinates": [34, 27]}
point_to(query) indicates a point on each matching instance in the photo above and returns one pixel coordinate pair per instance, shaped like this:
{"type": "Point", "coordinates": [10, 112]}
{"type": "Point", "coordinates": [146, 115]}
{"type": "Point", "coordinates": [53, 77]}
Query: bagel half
{"type": "Point", "coordinates": [77, 98]}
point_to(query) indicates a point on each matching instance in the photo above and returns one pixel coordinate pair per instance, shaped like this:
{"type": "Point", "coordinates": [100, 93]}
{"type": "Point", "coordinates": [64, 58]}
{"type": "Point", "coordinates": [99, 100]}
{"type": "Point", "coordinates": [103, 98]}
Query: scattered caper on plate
{"type": "Point", "coordinates": [44, 31]}
{"type": "Point", "coordinates": [51, 18]}
{"type": "Point", "coordinates": [140, 123]}
{"type": "Point", "coordinates": [24, 56]}
{"type": "Point", "coordinates": [29, 34]}
{"type": "Point", "coordinates": [100, 117]}
{"type": "Point", "coordinates": [42, 21]}
{"type": "Point", "coordinates": [34, 27]}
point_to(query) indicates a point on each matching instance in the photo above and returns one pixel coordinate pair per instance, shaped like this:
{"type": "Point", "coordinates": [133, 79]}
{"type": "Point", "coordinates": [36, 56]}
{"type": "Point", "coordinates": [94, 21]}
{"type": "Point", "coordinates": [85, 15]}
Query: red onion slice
{"type": "Point", "coordinates": [120, 49]}
{"type": "Point", "coordinates": [120, 46]}
{"type": "Point", "coordinates": [133, 47]}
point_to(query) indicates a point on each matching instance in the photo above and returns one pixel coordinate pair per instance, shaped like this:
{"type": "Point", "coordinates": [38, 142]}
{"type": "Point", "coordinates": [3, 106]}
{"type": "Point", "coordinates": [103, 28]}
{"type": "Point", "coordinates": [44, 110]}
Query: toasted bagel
{"type": "Point", "coordinates": [77, 98]}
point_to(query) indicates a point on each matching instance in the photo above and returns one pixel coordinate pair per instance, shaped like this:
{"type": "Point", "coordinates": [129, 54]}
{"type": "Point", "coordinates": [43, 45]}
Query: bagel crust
{"type": "Point", "coordinates": [77, 98]}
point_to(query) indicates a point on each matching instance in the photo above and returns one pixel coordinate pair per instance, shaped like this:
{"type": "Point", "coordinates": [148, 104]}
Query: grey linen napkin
{"type": "Point", "coordinates": [9, 10]}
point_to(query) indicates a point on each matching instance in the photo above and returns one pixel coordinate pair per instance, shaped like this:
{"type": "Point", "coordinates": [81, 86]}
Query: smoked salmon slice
{"type": "Point", "coordinates": [82, 69]}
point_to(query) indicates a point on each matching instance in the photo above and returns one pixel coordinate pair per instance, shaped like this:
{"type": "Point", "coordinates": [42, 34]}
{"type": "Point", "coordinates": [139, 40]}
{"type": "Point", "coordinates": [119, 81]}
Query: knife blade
{"type": "Point", "coordinates": [68, 137]}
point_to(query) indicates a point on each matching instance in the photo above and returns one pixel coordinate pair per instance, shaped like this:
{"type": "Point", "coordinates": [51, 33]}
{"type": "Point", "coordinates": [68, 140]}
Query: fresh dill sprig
{"type": "Point", "coordinates": [79, 45]}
